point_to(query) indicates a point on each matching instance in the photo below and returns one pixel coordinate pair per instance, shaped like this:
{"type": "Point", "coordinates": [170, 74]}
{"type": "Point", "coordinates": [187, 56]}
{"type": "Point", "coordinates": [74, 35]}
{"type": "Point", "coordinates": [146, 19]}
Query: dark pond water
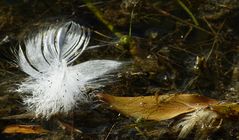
{"type": "Point", "coordinates": [171, 48]}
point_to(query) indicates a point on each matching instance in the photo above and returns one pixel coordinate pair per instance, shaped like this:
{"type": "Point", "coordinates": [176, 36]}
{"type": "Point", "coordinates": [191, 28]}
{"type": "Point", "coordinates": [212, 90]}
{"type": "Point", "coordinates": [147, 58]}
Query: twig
{"type": "Point", "coordinates": [19, 116]}
{"type": "Point", "coordinates": [110, 131]}
{"type": "Point", "coordinates": [216, 36]}
{"type": "Point", "coordinates": [182, 21]}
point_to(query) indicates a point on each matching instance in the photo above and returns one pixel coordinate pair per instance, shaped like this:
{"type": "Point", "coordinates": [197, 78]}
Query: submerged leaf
{"type": "Point", "coordinates": [24, 129]}
{"type": "Point", "coordinates": [157, 108]}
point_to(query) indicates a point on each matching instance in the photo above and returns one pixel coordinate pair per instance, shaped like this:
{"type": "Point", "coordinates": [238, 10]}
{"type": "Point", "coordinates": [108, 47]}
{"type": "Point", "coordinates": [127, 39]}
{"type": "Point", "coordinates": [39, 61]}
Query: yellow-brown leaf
{"type": "Point", "coordinates": [24, 129]}
{"type": "Point", "coordinates": [157, 108]}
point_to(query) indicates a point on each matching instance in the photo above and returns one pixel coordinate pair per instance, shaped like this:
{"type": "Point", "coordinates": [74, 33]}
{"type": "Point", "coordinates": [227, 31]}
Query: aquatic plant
{"type": "Point", "coordinates": [55, 85]}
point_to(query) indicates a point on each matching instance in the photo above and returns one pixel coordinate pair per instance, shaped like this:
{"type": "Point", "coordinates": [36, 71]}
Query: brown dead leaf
{"type": "Point", "coordinates": [24, 129]}
{"type": "Point", "coordinates": [157, 108]}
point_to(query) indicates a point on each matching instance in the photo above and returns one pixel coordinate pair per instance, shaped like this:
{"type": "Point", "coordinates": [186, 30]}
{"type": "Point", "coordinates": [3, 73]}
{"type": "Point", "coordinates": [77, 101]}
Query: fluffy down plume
{"type": "Point", "coordinates": [203, 119]}
{"type": "Point", "coordinates": [53, 84]}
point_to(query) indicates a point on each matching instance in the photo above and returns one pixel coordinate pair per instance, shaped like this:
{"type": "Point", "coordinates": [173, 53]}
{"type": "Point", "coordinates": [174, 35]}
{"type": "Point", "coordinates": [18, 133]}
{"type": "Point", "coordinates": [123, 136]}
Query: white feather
{"type": "Point", "coordinates": [53, 85]}
{"type": "Point", "coordinates": [202, 118]}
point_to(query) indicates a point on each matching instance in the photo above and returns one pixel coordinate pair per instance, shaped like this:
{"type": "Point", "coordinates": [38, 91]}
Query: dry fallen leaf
{"type": "Point", "coordinates": [24, 129]}
{"type": "Point", "coordinates": [161, 107]}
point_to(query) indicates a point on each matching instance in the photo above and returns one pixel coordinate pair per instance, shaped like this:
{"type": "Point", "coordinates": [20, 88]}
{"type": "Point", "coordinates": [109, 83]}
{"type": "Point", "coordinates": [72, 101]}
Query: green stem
{"type": "Point", "coordinates": [188, 11]}
{"type": "Point", "coordinates": [99, 16]}
{"type": "Point", "coordinates": [131, 20]}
